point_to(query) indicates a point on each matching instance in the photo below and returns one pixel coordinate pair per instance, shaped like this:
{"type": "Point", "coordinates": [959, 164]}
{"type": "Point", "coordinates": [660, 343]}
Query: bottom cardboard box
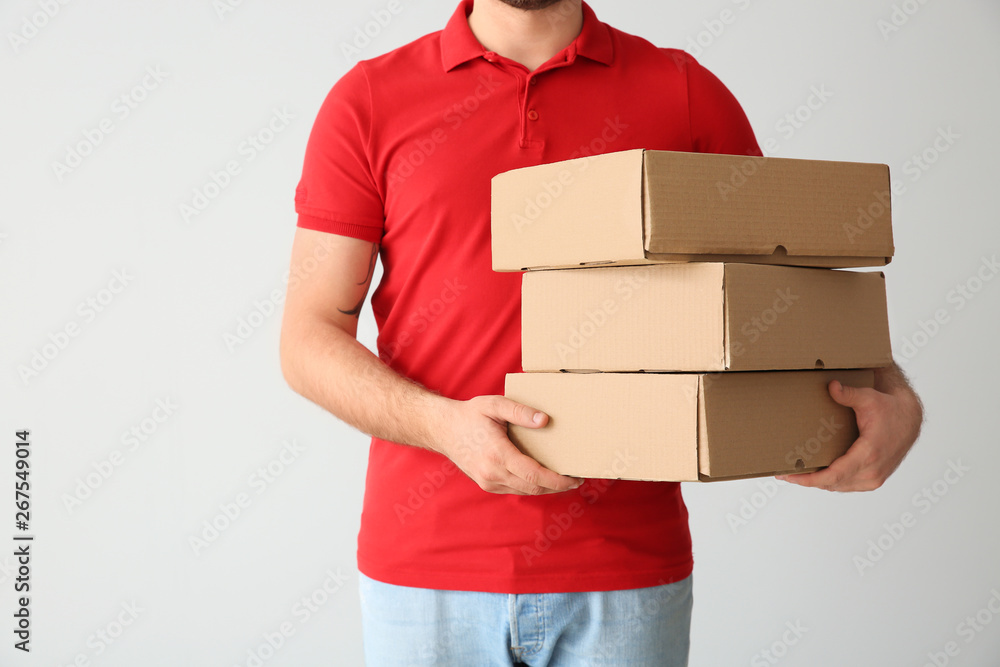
{"type": "Point", "coordinates": [684, 426]}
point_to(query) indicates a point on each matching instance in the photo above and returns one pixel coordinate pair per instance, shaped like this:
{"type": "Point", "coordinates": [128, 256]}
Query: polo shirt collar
{"type": "Point", "coordinates": [459, 45]}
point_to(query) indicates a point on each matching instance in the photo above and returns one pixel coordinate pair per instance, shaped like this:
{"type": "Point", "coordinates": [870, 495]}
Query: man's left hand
{"type": "Point", "coordinates": [889, 419]}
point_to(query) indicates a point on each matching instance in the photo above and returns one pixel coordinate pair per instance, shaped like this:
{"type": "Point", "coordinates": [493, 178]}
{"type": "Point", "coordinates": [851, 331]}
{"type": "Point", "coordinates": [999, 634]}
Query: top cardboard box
{"type": "Point", "coordinates": [644, 206]}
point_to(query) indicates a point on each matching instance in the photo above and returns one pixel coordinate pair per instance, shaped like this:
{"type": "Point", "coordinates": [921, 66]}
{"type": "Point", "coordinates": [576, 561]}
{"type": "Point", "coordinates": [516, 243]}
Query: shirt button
{"type": "Point", "coordinates": [533, 81]}
{"type": "Point", "coordinates": [532, 114]}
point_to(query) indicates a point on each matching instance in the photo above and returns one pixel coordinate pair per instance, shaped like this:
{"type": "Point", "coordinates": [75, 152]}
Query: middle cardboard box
{"type": "Point", "coordinates": [703, 317]}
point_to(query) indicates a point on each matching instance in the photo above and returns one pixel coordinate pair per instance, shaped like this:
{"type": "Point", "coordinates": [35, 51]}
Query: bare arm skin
{"type": "Point", "coordinates": [322, 360]}
{"type": "Point", "coordinates": [889, 419]}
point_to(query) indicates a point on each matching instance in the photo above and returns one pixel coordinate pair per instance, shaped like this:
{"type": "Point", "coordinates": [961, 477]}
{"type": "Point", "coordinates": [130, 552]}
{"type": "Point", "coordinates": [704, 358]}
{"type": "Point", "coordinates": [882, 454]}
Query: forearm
{"type": "Point", "coordinates": [327, 365]}
{"type": "Point", "coordinates": [909, 409]}
{"type": "Point", "coordinates": [892, 380]}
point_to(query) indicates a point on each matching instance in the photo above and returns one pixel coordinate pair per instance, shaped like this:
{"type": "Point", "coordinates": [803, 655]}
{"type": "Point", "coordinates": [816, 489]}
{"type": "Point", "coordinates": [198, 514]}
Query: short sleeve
{"type": "Point", "coordinates": [718, 122]}
{"type": "Point", "coordinates": [337, 192]}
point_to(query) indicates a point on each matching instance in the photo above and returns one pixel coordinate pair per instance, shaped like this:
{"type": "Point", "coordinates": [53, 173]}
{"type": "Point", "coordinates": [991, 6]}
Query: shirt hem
{"type": "Point", "coordinates": [569, 582]}
{"type": "Point", "coordinates": [359, 231]}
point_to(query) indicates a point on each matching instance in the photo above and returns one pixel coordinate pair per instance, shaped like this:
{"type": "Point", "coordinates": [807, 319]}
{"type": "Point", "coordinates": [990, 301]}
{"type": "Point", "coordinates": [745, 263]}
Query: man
{"type": "Point", "coordinates": [472, 553]}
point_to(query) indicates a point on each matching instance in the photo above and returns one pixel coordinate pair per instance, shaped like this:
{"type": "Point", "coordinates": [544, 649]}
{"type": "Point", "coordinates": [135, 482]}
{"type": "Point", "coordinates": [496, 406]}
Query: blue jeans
{"type": "Point", "coordinates": [408, 627]}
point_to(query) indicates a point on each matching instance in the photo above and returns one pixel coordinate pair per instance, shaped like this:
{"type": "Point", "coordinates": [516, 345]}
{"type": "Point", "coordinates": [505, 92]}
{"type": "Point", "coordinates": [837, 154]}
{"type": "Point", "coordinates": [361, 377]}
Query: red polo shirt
{"type": "Point", "coordinates": [402, 152]}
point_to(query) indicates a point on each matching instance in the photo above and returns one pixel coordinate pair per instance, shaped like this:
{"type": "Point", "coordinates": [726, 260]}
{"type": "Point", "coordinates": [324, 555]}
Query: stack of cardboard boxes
{"type": "Point", "coordinates": [680, 318]}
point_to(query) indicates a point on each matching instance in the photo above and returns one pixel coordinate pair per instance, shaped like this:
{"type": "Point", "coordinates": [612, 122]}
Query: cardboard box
{"type": "Point", "coordinates": [703, 317]}
{"type": "Point", "coordinates": [685, 427]}
{"type": "Point", "coordinates": [636, 207]}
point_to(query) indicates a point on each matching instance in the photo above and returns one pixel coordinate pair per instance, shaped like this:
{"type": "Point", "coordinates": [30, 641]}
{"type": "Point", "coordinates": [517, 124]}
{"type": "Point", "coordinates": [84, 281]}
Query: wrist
{"type": "Point", "coordinates": [436, 415]}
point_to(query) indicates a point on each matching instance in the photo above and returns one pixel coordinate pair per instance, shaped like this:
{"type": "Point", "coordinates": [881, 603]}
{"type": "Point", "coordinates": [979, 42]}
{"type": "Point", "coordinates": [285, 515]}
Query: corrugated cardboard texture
{"type": "Point", "coordinates": [638, 206]}
{"type": "Point", "coordinates": [698, 203]}
{"type": "Point", "coordinates": [799, 318]}
{"type": "Point", "coordinates": [779, 421]}
{"type": "Point", "coordinates": [613, 425]}
{"type": "Point", "coordinates": [555, 214]}
{"type": "Point", "coordinates": [703, 317]}
{"type": "Point", "coordinates": [685, 427]}
{"type": "Point", "coordinates": [655, 317]}
{"type": "Point", "coordinates": [777, 258]}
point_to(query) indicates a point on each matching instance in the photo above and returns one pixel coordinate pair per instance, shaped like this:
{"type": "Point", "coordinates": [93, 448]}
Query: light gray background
{"type": "Point", "coordinates": [163, 337]}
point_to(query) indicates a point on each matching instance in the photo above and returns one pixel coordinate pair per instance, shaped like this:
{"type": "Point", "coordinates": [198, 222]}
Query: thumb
{"type": "Point", "coordinates": [521, 415]}
{"type": "Point", "coordinates": [852, 397]}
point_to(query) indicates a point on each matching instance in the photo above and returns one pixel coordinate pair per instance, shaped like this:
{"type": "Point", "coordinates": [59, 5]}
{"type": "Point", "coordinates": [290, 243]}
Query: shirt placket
{"type": "Point", "coordinates": [527, 87]}
{"type": "Point", "coordinates": [527, 96]}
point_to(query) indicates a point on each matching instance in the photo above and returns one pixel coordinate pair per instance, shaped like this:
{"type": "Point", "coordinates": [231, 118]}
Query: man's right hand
{"type": "Point", "coordinates": [322, 360]}
{"type": "Point", "coordinates": [474, 437]}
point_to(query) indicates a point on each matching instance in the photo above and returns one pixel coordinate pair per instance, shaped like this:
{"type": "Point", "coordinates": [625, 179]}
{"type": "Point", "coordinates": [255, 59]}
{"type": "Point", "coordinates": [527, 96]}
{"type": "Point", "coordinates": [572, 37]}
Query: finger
{"type": "Point", "coordinates": [506, 482]}
{"type": "Point", "coordinates": [513, 412]}
{"type": "Point", "coordinates": [505, 489]}
{"type": "Point", "coordinates": [530, 474]}
{"type": "Point", "coordinates": [852, 397]}
{"type": "Point", "coordinates": [835, 477]}
{"type": "Point", "coordinates": [517, 487]}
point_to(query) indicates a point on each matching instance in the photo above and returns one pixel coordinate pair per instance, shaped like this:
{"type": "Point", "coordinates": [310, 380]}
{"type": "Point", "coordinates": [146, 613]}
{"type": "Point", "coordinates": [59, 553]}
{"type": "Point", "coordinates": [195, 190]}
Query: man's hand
{"type": "Point", "coordinates": [474, 437]}
{"type": "Point", "coordinates": [889, 418]}
{"type": "Point", "coordinates": [322, 360]}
